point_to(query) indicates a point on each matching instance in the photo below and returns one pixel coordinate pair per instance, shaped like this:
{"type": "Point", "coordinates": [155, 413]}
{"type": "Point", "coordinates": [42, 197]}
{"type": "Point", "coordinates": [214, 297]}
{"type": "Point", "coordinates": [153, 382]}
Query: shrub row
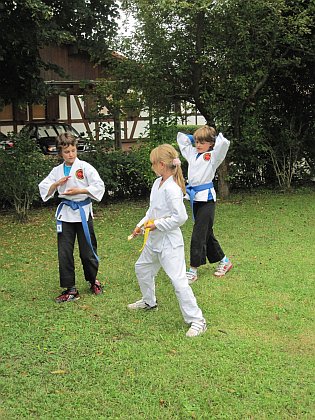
{"type": "Point", "coordinates": [126, 174]}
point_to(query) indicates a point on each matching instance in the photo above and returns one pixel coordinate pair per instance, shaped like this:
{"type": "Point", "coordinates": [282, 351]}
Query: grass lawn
{"type": "Point", "coordinates": [94, 359]}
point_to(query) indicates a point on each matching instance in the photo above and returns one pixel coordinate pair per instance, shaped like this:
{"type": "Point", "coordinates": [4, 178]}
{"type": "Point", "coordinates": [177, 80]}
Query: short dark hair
{"type": "Point", "coordinates": [65, 140]}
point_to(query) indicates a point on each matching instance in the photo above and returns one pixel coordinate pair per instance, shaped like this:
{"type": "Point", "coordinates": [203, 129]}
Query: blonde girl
{"type": "Point", "coordinates": [165, 246]}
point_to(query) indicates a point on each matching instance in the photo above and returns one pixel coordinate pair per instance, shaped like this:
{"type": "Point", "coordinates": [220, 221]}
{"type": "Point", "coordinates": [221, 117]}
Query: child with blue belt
{"type": "Point", "coordinates": [204, 152]}
{"type": "Point", "coordinates": [77, 182]}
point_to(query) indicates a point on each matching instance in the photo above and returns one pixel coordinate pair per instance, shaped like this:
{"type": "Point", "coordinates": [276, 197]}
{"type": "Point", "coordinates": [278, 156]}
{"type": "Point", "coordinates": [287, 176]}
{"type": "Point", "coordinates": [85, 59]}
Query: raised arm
{"type": "Point", "coordinates": [219, 150]}
{"type": "Point", "coordinates": [186, 145]}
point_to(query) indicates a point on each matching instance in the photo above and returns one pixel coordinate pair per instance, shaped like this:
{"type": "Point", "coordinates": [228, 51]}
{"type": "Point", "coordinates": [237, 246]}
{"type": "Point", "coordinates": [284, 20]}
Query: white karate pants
{"type": "Point", "coordinates": [172, 260]}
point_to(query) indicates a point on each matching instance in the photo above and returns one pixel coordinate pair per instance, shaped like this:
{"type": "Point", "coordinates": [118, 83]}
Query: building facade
{"type": "Point", "coordinates": [71, 102]}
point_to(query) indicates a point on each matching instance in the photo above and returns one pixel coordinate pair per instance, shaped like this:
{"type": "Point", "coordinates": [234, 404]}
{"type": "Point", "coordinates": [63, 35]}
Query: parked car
{"type": "Point", "coordinates": [45, 134]}
{"type": "Point", "coordinates": [5, 142]}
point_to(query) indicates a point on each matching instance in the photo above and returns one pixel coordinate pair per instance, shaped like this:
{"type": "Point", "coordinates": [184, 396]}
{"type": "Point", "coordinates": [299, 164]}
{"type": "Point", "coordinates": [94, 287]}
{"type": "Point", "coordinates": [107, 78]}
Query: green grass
{"type": "Point", "coordinates": [93, 359]}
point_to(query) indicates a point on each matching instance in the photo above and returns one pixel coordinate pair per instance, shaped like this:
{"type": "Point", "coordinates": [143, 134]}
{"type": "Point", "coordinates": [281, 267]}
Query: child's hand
{"type": "Point", "coordinates": [136, 232]}
{"type": "Point", "coordinates": [62, 181]}
{"type": "Point", "coordinates": [150, 226]}
{"type": "Point", "coordinates": [73, 191]}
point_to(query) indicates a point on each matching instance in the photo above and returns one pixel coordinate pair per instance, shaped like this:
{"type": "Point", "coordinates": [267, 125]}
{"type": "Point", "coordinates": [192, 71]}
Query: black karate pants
{"type": "Point", "coordinates": [66, 240]}
{"type": "Point", "coordinates": [203, 243]}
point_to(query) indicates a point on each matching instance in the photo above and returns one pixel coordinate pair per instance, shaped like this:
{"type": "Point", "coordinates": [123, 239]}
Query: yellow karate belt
{"type": "Point", "coordinates": [146, 233]}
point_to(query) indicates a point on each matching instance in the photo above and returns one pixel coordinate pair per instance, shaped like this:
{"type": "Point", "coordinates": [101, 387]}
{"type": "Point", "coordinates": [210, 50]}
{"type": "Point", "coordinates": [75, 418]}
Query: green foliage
{"type": "Point", "coordinates": [125, 174]}
{"type": "Point", "coordinates": [236, 72]}
{"type": "Point", "coordinates": [166, 132]}
{"type": "Point", "coordinates": [26, 26]}
{"type": "Point", "coordinates": [129, 174]}
{"type": "Point", "coordinates": [121, 94]}
{"type": "Point", "coordinates": [22, 23]}
{"type": "Point", "coordinates": [21, 170]}
{"type": "Point", "coordinates": [105, 136]}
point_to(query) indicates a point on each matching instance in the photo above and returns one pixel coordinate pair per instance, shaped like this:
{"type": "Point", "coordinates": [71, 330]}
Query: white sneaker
{"type": "Point", "coordinates": [196, 329]}
{"type": "Point", "coordinates": [140, 304]}
{"type": "Point", "coordinates": [191, 277]}
{"type": "Point", "coordinates": [223, 268]}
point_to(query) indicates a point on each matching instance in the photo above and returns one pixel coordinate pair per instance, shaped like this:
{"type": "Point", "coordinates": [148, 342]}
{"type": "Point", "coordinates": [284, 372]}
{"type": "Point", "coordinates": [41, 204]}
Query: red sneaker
{"type": "Point", "coordinates": [68, 296]}
{"type": "Point", "coordinates": [96, 288]}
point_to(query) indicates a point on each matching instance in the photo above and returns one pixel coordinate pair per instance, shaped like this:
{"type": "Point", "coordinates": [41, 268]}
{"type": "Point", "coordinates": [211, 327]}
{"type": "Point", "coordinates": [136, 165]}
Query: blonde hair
{"type": "Point", "coordinates": [205, 134]}
{"type": "Point", "coordinates": [167, 153]}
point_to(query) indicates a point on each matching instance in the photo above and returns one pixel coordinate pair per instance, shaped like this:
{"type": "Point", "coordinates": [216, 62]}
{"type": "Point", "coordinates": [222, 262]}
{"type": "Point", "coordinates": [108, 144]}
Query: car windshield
{"type": "Point", "coordinates": [55, 130]}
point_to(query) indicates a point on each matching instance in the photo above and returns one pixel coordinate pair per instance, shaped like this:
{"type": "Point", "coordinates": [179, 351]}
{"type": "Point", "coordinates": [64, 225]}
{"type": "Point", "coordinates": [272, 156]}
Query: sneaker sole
{"type": "Point", "coordinates": [150, 308]}
{"type": "Point", "coordinates": [65, 301]}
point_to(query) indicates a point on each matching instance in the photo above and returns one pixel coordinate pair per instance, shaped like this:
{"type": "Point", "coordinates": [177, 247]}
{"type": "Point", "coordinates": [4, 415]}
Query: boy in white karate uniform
{"type": "Point", "coordinates": [204, 152]}
{"type": "Point", "coordinates": [165, 246]}
{"type": "Point", "coordinates": [76, 182]}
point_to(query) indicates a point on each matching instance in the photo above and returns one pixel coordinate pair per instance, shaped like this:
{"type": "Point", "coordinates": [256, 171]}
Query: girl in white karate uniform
{"type": "Point", "coordinates": [165, 246]}
{"type": "Point", "coordinates": [76, 182]}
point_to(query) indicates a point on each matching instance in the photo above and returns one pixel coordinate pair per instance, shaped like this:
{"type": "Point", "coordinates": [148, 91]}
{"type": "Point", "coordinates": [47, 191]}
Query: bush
{"type": "Point", "coordinates": [20, 171]}
{"type": "Point", "coordinates": [125, 174]}
{"type": "Point", "coordinates": [249, 163]}
{"type": "Point", "coordinates": [129, 174]}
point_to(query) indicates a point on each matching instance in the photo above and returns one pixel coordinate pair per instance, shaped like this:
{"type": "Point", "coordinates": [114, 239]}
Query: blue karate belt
{"type": "Point", "coordinates": [192, 191]}
{"type": "Point", "coordinates": [75, 205]}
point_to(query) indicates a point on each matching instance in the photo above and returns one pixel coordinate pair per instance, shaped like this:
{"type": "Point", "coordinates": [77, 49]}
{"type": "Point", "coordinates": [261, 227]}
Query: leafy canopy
{"type": "Point", "coordinates": [219, 55]}
{"type": "Point", "coordinates": [26, 26]}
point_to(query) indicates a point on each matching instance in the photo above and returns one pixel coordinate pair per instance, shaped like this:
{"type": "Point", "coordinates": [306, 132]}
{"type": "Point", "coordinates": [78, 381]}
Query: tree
{"type": "Point", "coordinates": [284, 107]}
{"type": "Point", "coordinates": [27, 26]}
{"type": "Point", "coordinates": [221, 56]}
{"type": "Point", "coordinates": [120, 94]}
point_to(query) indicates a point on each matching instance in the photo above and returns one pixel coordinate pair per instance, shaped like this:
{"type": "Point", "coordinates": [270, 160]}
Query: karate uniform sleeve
{"type": "Point", "coordinates": [185, 146]}
{"type": "Point", "coordinates": [142, 221]}
{"type": "Point", "coordinates": [96, 187]}
{"type": "Point", "coordinates": [45, 184]}
{"type": "Point", "coordinates": [220, 150]}
{"type": "Point", "coordinates": [178, 212]}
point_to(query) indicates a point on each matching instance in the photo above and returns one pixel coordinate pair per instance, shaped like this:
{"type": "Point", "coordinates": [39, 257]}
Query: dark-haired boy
{"type": "Point", "coordinates": [77, 182]}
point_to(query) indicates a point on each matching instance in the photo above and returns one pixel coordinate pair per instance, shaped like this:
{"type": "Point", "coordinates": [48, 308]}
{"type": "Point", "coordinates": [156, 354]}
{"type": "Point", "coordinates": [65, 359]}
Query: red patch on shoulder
{"type": "Point", "coordinates": [207, 156]}
{"type": "Point", "coordinates": [79, 174]}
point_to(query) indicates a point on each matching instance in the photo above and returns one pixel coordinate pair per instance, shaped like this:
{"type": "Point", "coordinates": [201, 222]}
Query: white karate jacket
{"type": "Point", "coordinates": [168, 211]}
{"type": "Point", "coordinates": [83, 175]}
{"type": "Point", "coordinates": [202, 170]}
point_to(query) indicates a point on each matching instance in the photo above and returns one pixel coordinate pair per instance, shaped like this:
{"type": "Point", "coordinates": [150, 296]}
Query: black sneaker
{"type": "Point", "coordinates": [68, 295]}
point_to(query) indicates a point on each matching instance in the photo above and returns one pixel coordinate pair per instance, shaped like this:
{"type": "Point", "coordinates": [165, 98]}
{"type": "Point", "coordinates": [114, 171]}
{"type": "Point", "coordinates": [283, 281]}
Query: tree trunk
{"type": "Point", "coordinates": [223, 184]}
{"type": "Point", "coordinates": [117, 130]}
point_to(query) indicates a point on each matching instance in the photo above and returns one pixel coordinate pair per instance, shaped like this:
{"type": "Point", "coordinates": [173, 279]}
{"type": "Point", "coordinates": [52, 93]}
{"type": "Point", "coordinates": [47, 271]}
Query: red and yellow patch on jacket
{"type": "Point", "coordinates": [79, 174]}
